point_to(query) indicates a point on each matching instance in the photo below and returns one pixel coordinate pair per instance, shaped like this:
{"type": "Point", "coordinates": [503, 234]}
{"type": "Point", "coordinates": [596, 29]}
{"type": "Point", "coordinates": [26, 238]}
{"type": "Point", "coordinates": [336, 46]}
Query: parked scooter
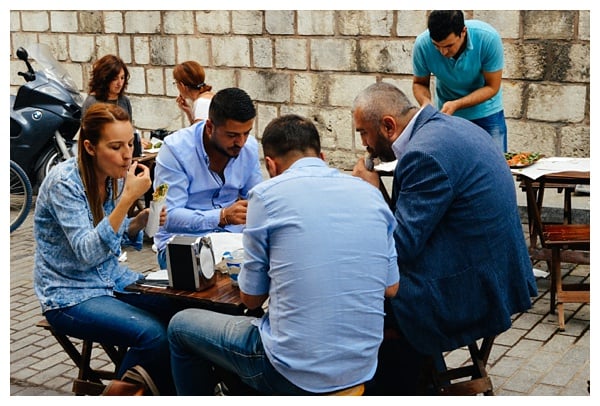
{"type": "Point", "coordinates": [45, 115]}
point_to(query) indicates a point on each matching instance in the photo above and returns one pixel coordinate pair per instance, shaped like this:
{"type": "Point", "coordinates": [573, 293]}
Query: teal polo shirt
{"type": "Point", "coordinates": [455, 78]}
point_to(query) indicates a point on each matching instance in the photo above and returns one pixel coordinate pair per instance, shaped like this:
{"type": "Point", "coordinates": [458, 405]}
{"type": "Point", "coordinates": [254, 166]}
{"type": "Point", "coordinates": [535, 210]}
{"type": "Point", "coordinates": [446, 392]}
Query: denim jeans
{"type": "Point", "coordinates": [161, 258]}
{"type": "Point", "coordinates": [495, 125]}
{"type": "Point", "coordinates": [133, 320]}
{"type": "Point", "coordinates": [200, 339]}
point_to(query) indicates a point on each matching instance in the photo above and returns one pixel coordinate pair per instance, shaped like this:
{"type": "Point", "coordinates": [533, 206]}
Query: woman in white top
{"type": "Point", "coordinates": [189, 78]}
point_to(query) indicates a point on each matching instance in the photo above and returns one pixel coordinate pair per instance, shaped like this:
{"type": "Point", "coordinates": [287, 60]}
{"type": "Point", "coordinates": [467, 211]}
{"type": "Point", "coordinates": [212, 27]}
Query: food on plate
{"type": "Point", "coordinates": [518, 159]}
{"type": "Point", "coordinates": [157, 145]}
{"type": "Point", "coordinates": [160, 193]}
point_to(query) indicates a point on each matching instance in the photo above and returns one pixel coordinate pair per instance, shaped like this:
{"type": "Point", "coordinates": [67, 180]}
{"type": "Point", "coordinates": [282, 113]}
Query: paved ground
{"type": "Point", "coordinates": [531, 358]}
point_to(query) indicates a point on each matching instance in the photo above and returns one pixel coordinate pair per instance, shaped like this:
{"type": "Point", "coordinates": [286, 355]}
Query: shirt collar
{"type": "Point", "coordinates": [399, 146]}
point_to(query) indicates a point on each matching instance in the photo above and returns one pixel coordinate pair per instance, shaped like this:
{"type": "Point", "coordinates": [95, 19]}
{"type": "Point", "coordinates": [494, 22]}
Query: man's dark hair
{"type": "Point", "coordinates": [442, 23]}
{"type": "Point", "coordinates": [290, 133]}
{"type": "Point", "coordinates": [231, 104]}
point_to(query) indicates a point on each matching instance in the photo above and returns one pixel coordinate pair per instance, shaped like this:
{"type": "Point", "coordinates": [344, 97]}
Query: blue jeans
{"type": "Point", "coordinates": [495, 125]}
{"type": "Point", "coordinates": [132, 320]}
{"type": "Point", "coordinates": [200, 339]}
{"type": "Point", "coordinates": [161, 258]}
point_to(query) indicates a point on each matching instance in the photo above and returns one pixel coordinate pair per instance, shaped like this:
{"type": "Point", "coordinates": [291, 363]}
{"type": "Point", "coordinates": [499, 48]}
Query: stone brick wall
{"type": "Point", "coordinates": [315, 62]}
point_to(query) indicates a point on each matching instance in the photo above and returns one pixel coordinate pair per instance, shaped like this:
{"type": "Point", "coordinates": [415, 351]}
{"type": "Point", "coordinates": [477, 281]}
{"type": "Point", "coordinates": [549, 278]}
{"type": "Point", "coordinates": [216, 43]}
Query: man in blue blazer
{"type": "Point", "coordinates": [463, 261]}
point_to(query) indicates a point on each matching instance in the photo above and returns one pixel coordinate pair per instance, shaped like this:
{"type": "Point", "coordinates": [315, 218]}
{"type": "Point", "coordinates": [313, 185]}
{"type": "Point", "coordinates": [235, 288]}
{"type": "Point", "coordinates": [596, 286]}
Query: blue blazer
{"type": "Point", "coordinates": [464, 264]}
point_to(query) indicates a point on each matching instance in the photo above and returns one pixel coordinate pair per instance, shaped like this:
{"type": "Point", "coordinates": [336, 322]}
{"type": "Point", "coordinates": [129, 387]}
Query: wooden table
{"type": "Point", "coordinates": [534, 189]}
{"type": "Point", "coordinates": [222, 297]}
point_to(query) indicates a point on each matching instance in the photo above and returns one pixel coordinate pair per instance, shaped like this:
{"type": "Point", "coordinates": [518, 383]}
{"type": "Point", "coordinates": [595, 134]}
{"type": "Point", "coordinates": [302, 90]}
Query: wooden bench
{"type": "Point", "coordinates": [89, 381]}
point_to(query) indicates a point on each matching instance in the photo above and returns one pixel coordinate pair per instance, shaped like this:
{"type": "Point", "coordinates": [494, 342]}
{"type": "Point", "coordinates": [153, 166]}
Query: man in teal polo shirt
{"type": "Point", "coordinates": [466, 58]}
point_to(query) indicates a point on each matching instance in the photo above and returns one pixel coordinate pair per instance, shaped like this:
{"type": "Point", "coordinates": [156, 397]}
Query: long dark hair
{"type": "Point", "coordinates": [104, 71]}
{"type": "Point", "coordinates": [92, 127]}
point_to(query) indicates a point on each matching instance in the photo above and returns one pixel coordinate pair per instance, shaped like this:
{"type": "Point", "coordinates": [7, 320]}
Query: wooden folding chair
{"type": "Point", "coordinates": [89, 380]}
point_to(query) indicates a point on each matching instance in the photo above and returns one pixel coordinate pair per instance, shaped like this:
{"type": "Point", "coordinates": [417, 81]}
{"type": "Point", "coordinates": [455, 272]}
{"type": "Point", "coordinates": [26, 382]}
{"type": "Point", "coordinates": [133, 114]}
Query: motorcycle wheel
{"type": "Point", "coordinates": [21, 196]}
{"type": "Point", "coordinates": [49, 160]}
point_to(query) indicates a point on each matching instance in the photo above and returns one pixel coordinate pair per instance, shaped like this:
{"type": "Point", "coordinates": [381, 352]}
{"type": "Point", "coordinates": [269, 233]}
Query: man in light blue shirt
{"type": "Point", "coordinates": [466, 58]}
{"type": "Point", "coordinates": [319, 244]}
{"type": "Point", "coordinates": [209, 168]}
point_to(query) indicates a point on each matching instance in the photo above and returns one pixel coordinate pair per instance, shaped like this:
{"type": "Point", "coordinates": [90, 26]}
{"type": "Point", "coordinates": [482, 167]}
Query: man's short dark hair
{"type": "Point", "coordinates": [290, 133]}
{"type": "Point", "coordinates": [442, 23]}
{"type": "Point", "coordinates": [231, 104]}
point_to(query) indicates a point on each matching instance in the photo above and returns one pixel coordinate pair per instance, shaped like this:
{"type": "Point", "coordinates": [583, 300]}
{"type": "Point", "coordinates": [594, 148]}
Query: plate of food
{"type": "Point", "coordinates": [521, 159]}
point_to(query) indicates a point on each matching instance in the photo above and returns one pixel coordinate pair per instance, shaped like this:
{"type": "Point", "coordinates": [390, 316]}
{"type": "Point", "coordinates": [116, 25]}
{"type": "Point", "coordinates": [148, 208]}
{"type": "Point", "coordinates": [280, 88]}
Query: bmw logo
{"type": "Point", "coordinates": [36, 115]}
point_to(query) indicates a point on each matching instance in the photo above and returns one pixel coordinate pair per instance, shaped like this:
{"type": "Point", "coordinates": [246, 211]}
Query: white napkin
{"type": "Point", "coordinates": [154, 217]}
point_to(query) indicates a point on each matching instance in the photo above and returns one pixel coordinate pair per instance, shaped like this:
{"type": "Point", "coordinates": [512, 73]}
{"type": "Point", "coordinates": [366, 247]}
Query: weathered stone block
{"type": "Point", "coordinates": [532, 136]}
{"type": "Point", "coordinates": [550, 102]}
{"type": "Point", "coordinates": [262, 52]}
{"type": "Point", "coordinates": [58, 45]}
{"type": "Point", "coordinates": [512, 96]}
{"type": "Point", "coordinates": [141, 49]}
{"type": "Point", "coordinates": [124, 43]}
{"type": "Point", "coordinates": [15, 21]}
{"type": "Point", "coordinates": [316, 22]}
{"type": "Point", "coordinates": [35, 21]}
{"type": "Point", "coordinates": [333, 54]}
{"type": "Point", "coordinates": [246, 21]}
{"type": "Point", "coordinates": [291, 53]}
{"type": "Point", "coordinates": [264, 114]}
{"type": "Point", "coordinates": [266, 86]}
{"type": "Point", "coordinates": [579, 64]}
{"type": "Point", "coordinates": [231, 51]}
{"type": "Point", "coordinates": [106, 44]}
{"type": "Point", "coordinates": [584, 25]}
{"type": "Point", "coordinates": [549, 24]}
{"type": "Point", "coordinates": [113, 22]}
{"type": "Point", "coordinates": [221, 78]}
{"type": "Point", "coordinates": [178, 22]}
{"type": "Point", "coordinates": [142, 22]}
{"type": "Point", "coordinates": [63, 21]}
{"type": "Point", "coordinates": [156, 112]}
{"type": "Point", "coordinates": [362, 22]}
{"type": "Point", "coordinates": [411, 22]}
{"type": "Point", "coordinates": [137, 81]}
{"type": "Point", "coordinates": [344, 88]}
{"type": "Point", "coordinates": [279, 22]}
{"type": "Point", "coordinates": [385, 56]}
{"type": "Point", "coordinates": [156, 81]}
{"type": "Point", "coordinates": [310, 88]}
{"type": "Point", "coordinates": [91, 22]}
{"type": "Point", "coordinates": [506, 22]}
{"type": "Point", "coordinates": [81, 48]}
{"type": "Point", "coordinates": [192, 48]}
{"type": "Point", "coordinates": [162, 50]}
{"type": "Point", "coordinates": [213, 22]}
{"type": "Point", "coordinates": [575, 141]}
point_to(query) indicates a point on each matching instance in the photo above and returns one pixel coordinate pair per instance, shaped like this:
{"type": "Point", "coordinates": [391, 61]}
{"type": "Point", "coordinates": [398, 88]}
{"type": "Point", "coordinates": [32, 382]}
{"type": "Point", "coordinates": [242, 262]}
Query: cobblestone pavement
{"type": "Point", "coordinates": [531, 358]}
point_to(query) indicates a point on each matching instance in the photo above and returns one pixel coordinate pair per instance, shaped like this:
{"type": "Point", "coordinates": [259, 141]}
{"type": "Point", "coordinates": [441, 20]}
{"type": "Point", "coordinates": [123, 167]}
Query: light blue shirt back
{"type": "Point", "coordinates": [196, 194]}
{"type": "Point", "coordinates": [321, 244]}
{"type": "Point", "coordinates": [455, 78]}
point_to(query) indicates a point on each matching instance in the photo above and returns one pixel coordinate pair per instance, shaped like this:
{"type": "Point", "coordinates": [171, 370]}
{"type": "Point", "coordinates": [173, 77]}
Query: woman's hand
{"type": "Point", "coordinates": [136, 184]}
{"type": "Point", "coordinates": [185, 107]}
{"type": "Point", "coordinates": [138, 222]}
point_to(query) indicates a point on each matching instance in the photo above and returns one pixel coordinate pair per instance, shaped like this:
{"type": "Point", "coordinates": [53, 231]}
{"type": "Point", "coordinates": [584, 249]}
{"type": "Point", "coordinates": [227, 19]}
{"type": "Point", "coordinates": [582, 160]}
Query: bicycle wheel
{"type": "Point", "coordinates": [20, 196]}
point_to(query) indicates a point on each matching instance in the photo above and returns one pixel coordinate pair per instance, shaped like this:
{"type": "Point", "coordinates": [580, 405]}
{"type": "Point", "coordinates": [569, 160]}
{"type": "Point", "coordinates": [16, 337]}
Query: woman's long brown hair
{"type": "Point", "coordinates": [92, 126]}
